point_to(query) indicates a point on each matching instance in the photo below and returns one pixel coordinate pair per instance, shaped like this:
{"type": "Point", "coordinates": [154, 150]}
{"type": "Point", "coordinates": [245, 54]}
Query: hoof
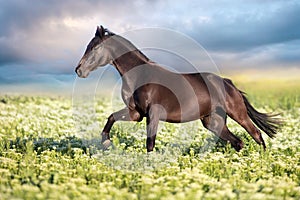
{"type": "Point", "coordinates": [239, 146]}
{"type": "Point", "coordinates": [106, 144]}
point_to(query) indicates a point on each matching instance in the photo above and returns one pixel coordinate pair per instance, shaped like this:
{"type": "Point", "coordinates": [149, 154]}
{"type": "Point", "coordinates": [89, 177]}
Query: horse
{"type": "Point", "coordinates": [157, 94]}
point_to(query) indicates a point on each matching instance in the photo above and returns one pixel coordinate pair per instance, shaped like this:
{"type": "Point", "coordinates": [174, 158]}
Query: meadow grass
{"type": "Point", "coordinates": [50, 149]}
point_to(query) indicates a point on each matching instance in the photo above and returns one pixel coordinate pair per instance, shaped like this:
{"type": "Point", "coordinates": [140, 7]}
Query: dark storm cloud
{"type": "Point", "coordinates": [23, 14]}
{"type": "Point", "coordinates": [21, 19]}
{"type": "Point", "coordinates": [251, 28]}
{"type": "Point", "coordinates": [290, 55]}
{"type": "Point", "coordinates": [9, 56]}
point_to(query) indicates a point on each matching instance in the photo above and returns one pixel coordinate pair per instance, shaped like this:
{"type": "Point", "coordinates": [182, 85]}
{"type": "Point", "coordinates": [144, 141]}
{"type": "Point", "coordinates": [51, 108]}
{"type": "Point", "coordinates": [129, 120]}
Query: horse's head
{"type": "Point", "coordinates": [96, 55]}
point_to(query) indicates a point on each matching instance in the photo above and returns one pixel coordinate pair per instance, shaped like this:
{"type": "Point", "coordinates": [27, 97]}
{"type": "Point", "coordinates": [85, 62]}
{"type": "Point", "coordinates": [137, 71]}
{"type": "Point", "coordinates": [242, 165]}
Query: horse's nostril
{"type": "Point", "coordinates": [79, 73]}
{"type": "Point", "coordinates": [77, 68]}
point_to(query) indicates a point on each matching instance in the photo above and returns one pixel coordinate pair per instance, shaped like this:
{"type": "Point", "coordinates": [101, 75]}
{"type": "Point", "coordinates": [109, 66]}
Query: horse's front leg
{"type": "Point", "coordinates": [152, 124]}
{"type": "Point", "coordinates": [122, 115]}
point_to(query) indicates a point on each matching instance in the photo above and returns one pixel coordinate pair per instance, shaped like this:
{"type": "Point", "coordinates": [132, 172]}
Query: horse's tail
{"type": "Point", "coordinates": [268, 123]}
{"type": "Point", "coordinates": [265, 121]}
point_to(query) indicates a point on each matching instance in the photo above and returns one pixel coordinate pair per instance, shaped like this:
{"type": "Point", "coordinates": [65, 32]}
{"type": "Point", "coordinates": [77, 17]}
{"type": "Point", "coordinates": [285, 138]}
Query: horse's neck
{"type": "Point", "coordinates": [125, 55]}
{"type": "Point", "coordinates": [130, 60]}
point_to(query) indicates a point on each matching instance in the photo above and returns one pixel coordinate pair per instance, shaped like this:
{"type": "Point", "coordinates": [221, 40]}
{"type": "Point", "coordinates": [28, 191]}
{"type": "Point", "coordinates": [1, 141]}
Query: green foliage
{"type": "Point", "coordinates": [49, 149]}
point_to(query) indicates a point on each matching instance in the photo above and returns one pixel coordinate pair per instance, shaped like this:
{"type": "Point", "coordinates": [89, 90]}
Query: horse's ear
{"type": "Point", "coordinates": [100, 32]}
{"type": "Point", "coordinates": [97, 32]}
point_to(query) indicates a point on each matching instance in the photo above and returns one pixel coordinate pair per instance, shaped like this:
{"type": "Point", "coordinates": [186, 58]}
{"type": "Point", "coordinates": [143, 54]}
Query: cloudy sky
{"type": "Point", "coordinates": [42, 41]}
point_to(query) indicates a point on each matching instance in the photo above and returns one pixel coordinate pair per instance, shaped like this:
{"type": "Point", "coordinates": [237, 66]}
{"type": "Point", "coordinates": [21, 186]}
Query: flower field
{"type": "Point", "coordinates": [50, 149]}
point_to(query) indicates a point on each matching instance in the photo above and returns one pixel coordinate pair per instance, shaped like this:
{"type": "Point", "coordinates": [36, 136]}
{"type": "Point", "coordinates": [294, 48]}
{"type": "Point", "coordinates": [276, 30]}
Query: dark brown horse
{"type": "Point", "coordinates": [153, 92]}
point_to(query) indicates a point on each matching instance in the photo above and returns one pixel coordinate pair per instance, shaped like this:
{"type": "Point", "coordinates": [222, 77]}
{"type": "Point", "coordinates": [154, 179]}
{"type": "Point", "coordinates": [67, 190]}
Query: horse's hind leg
{"type": "Point", "coordinates": [244, 120]}
{"type": "Point", "coordinates": [237, 110]}
{"type": "Point", "coordinates": [217, 124]}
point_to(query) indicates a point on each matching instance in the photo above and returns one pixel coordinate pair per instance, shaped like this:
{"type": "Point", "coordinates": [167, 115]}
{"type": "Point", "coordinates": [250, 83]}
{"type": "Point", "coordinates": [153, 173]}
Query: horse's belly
{"type": "Point", "coordinates": [186, 111]}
